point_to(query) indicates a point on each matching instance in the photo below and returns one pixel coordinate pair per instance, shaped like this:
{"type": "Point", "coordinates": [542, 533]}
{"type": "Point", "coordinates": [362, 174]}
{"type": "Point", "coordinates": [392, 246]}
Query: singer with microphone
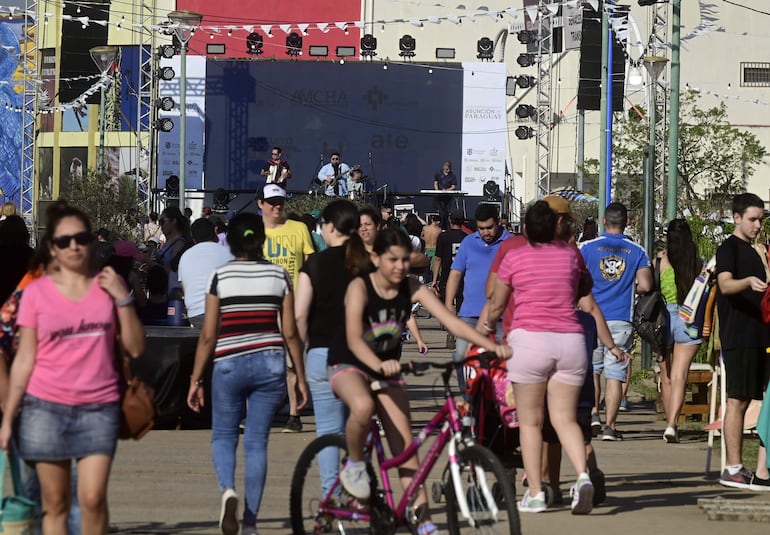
{"type": "Point", "coordinates": [333, 176]}
{"type": "Point", "coordinates": [276, 170]}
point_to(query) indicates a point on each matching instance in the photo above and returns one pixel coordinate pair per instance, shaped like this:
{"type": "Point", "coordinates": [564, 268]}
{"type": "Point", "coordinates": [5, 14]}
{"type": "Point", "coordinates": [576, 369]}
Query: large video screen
{"type": "Point", "coordinates": [398, 123]}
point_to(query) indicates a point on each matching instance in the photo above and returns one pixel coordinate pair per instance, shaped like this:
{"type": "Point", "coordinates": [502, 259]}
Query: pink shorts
{"type": "Point", "coordinates": [540, 356]}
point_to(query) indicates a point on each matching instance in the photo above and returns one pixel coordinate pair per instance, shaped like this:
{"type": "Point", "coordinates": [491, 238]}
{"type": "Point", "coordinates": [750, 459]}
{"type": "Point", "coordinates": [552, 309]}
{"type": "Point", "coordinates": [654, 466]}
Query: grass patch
{"type": "Point", "coordinates": [750, 451]}
{"type": "Point", "coordinates": [643, 383]}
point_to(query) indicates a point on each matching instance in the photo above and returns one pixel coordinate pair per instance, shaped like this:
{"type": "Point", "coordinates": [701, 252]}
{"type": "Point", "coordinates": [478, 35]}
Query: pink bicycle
{"type": "Point", "coordinates": [476, 489]}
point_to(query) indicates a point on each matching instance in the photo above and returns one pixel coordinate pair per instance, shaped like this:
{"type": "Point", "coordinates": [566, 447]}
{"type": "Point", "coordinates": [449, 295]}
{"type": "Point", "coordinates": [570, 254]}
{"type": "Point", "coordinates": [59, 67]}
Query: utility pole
{"type": "Point", "coordinates": [673, 126]}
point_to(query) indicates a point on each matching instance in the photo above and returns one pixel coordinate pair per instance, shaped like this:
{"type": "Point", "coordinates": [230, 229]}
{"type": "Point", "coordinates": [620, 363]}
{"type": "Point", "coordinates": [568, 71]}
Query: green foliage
{"type": "Point", "coordinates": [109, 202]}
{"type": "Point", "coordinates": [305, 204]}
{"type": "Point", "coordinates": [715, 159]}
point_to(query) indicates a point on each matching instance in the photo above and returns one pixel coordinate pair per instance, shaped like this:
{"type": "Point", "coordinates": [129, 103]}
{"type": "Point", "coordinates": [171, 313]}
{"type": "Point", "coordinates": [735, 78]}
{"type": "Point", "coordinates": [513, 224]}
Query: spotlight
{"type": "Point", "coordinates": [492, 191]}
{"type": "Point", "coordinates": [166, 51]}
{"type": "Point", "coordinates": [526, 60]}
{"type": "Point", "coordinates": [407, 45]}
{"type": "Point", "coordinates": [165, 103]}
{"type": "Point", "coordinates": [164, 124]}
{"type": "Point", "coordinates": [485, 48]}
{"type": "Point", "coordinates": [525, 81]}
{"type": "Point", "coordinates": [221, 200]}
{"type": "Point", "coordinates": [526, 111]}
{"type": "Point", "coordinates": [254, 44]}
{"type": "Point", "coordinates": [526, 37]}
{"type": "Point", "coordinates": [524, 132]}
{"type": "Point", "coordinates": [293, 44]}
{"type": "Point", "coordinates": [172, 186]}
{"type": "Point", "coordinates": [166, 73]}
{"type": "Point", "coordinates": [368, 46]}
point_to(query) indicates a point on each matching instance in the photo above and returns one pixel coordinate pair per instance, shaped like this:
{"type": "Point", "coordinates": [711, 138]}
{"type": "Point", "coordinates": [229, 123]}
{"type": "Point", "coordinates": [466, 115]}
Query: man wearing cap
{"type": "Point", "coordinates": [196, 265]}
{"type": "Point", "coordinates": [333, 176]}
{"type": "Point", "coordinates": [287, 244]}
{"type": "Point", "coordinates": [620, 269]}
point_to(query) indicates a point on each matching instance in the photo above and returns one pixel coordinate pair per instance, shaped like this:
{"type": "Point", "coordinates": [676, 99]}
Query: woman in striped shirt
{"type": "Point", "coordinates": [249, 317]}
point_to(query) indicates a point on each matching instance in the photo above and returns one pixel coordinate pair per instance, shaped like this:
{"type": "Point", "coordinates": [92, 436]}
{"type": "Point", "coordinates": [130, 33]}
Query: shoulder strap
{"type": "Point", "coordinates": [656, 274]}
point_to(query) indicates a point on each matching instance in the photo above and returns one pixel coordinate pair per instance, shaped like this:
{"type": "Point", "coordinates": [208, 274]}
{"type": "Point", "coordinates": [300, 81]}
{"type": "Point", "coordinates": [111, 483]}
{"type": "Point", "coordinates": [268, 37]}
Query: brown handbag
{"type": "Point", "coordinates": [138, 410]}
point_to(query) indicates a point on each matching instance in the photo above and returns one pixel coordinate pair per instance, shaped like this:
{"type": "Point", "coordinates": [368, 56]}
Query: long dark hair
{"type": "Point", "coordinates": [683, 256]}
{"type": "Point", "coordinates": [344, 216]}
{"type": "Point", "coordinates": [246, 235]}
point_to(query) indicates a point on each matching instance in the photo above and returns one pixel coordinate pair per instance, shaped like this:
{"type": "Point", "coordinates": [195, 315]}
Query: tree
{"type": "Point", "coordinates": [715, 159]}
{"type": "Point", "coordinates": [109, 202]}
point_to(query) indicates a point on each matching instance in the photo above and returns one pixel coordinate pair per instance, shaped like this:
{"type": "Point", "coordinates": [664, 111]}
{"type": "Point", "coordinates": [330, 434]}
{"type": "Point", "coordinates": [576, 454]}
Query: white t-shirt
{"type": "Point", "coordinates": [195, 268]}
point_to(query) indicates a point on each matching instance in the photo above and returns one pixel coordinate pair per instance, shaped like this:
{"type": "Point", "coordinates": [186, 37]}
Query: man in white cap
{"type": "Point", "coordinates": [288, 244]}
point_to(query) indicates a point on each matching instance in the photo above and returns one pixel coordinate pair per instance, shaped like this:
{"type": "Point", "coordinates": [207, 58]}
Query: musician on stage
{"type": "Point", "coordinates": [333, 176]}
{"type": "Point", "coordinates": [276, 170]}
{"type": "Point", "coordinates": [444, 180]}
{"type": "Point", "coordinates": [355, 182]}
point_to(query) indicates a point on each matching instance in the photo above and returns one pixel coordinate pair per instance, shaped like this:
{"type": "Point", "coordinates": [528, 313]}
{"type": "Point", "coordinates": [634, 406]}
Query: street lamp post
{"type": "Point", "coordinates": [185, 23]}
{"type": "Point", "coordinates": [654, 66]}
{"type": "Point", "coordinates": [104, 57]}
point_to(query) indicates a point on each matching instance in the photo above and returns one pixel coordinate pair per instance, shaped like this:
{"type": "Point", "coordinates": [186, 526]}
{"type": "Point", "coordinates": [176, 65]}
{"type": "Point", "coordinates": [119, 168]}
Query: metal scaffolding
{"type": "Point", "coordinates": [544, 98]}
{"type": "Point", "coordinates": [658, 46]}
{"type": "Point", "coordinates": [29, 61]}
{"type": "Point", "coordinates": [144, 166]}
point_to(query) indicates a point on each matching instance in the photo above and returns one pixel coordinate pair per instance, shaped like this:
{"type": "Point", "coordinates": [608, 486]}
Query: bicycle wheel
{"type": "Point", "coordinates": [331, 510]}
{"type": "Point", "coordinates": [482, 476]}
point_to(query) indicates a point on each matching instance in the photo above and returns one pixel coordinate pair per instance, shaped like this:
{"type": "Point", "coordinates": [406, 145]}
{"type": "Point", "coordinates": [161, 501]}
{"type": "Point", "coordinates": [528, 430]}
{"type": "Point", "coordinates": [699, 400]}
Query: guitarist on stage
{"type": "Point", "coordinates": [333, 176]}
{"type": "Point", "coordinates": [444, 179]}
{"type": "Point", "coordinates": [276, 170]}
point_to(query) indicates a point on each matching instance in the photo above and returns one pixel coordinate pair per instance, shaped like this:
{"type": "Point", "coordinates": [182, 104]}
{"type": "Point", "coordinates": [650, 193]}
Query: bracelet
{"type": "Point", "coordinates": [125, 301]}
{"type": "Point", "coordinates": [199, 382]}
{"type": "Point", "coordinates": [486, 328]}
{"type": "Point", "coordinates": [611, 348]}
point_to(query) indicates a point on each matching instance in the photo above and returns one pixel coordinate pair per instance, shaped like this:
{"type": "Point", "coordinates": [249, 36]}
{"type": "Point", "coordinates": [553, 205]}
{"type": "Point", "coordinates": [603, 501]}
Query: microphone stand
{"type": "Point", "coordinates": [313, 184]}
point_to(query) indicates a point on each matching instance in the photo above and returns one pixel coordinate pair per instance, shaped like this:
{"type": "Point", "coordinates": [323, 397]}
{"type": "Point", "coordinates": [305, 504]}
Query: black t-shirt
{"type": "Point", "coordinates": [330, 281]}
{"type": "Point", "coordinates": [447, 244]}
{"type": "Point", "coordinates": [740, 319]}
{"type": "Point", "coordinates": [384, 320]}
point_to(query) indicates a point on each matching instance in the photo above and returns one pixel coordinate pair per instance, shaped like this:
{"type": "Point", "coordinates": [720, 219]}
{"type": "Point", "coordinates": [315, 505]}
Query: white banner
{"type": "Point", "coordinates": [484, 126]}
{"type": "Point", "coordinates": [573, 26]}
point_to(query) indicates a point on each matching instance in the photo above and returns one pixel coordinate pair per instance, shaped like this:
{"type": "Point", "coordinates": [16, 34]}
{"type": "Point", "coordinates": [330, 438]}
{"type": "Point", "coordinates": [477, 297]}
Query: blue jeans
{"type": "Point", "coordinates": [329, 412]}
{"type": "Point", "coordinates": [259, 380]}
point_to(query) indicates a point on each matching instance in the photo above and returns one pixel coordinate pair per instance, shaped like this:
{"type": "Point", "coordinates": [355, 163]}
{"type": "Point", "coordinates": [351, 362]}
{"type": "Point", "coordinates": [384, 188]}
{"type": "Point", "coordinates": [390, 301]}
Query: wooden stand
{"type": "Point", "coordinates": [698, 380]}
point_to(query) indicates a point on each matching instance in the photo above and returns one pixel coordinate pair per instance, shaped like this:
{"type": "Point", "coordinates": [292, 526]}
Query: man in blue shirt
{"type": "Point", "coordinates": [471, 265]}
{"type": "Point", "coordinates": [620, 269]}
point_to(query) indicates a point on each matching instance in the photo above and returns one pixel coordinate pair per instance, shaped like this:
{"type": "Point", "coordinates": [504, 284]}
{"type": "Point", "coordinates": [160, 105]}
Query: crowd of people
{"type": "Point", "coordinates": [314, 307]}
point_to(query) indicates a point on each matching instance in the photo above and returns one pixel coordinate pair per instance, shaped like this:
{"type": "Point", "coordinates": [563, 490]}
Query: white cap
{"type": "Point", "coordinates": [272, 191]}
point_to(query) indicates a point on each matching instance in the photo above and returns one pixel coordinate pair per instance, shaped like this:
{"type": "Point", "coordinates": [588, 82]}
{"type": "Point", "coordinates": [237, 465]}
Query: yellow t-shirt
{"type": "Point", "coordinates": [287, 246]}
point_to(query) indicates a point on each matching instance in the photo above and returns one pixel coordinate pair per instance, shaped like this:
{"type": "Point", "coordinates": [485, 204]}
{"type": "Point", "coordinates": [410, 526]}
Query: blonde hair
{"type": "Point", "coordinates": [9, 209]}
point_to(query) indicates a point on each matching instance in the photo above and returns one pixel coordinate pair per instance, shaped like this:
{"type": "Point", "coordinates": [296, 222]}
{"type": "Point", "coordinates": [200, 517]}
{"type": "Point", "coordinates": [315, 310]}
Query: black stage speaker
{"type": "Point", "coordinates": [76, 41]}
{"type": "Point", "coordinates": [589, 90]}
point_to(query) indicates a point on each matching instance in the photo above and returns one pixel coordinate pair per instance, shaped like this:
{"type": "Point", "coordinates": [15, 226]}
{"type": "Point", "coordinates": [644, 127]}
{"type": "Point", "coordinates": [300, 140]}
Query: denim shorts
{"type": "Point", "coordinates": [677, 332]}
{"type": "Point", "coordinates": [623, 336]}
{"type": "Point", "coordinates": [51, 431]}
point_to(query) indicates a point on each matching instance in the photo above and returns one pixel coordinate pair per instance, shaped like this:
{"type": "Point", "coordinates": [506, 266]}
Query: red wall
{"type": "Point", "coordinates": [241, 13]}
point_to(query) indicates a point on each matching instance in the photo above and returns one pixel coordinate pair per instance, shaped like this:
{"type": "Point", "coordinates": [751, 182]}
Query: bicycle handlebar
{"type": "Point", "coordinates": [487, 361]}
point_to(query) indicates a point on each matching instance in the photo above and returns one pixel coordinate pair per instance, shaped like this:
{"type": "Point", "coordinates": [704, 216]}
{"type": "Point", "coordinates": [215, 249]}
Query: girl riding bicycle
{"type": "Point", "coordinates": [377, 307]}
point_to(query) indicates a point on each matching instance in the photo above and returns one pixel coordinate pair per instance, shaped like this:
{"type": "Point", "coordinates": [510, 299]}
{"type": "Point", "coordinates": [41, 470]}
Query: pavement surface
{"type": "Point", "coordinates": [165, 482]}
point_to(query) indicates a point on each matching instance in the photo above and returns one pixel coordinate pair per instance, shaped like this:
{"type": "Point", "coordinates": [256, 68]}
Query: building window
{"type": "Point", "coordinates": [755, 74]}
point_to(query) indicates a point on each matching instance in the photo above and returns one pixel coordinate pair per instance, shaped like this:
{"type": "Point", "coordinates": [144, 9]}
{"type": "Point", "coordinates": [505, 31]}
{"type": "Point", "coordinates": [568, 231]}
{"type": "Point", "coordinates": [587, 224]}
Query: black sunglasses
{"type": "Point", "coordinates": [275, 201]}
{"type": "Point", "coordinates": [81, 238]}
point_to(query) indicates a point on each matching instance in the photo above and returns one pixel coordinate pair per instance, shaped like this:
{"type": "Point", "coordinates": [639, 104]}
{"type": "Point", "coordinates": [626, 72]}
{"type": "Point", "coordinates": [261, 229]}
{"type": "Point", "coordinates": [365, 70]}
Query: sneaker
{"type": "Point", "coordinates": [611, 434]}
{"type": "Point", "coordinates": [293, 425]}
{"type": "Point", "coordinates": [600, 486]}
{"type": "Point", "coordinates": [532, 504]}
{"type": "Point", "coordinates": [596, 424]}
{"type": "Point", "coordinates": [623, 406]}
{"type": "Point", "coordinates": [759, 484]}
{"type": "Point", "coordinates": [671, 435]}
{"type": "Point", "coordinates": [582, 495]}
{"type": "Point", "coordinates": [248, 530]}
{"type": "Point", "coordinates": [741, 480]}
{"type": "Point", "coordinates": [355, 480]}
{"type": "Point", "coordinates": [228, 521]}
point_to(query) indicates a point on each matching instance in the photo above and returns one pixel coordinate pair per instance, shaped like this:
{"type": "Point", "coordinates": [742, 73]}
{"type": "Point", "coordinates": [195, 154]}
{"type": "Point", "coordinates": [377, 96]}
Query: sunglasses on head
{"type": "Point", "coordinates": [81, 238]}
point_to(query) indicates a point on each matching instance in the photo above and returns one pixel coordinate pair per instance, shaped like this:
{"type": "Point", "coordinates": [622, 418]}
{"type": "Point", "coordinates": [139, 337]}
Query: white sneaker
{"type": "Point", "coordinates": [228, 514]}
{"type": "Point", "coordinates": [671, 435]}
{"type": "Point", "coordinates": [532, 504]}
{"type": "Point", "coordinates": [356, 481]}
{"type": "Point", "coordinates": [582, 495]}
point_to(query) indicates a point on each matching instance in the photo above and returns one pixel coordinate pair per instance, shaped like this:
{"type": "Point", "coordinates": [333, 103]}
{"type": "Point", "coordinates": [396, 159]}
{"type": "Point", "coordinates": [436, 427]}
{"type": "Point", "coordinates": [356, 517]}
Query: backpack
{"type": "Point", "coordinates": [650, 319]}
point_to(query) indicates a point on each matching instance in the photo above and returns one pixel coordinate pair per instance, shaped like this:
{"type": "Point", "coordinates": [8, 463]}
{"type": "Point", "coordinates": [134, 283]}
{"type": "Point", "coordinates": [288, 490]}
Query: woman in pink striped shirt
{"type": "Point", "coordinates": [548, 349]}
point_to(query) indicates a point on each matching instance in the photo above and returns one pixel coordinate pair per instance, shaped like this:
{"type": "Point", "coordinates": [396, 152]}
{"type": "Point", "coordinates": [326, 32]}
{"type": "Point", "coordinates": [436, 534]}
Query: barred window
{"type": "Point", "coordinates": [755, 74]}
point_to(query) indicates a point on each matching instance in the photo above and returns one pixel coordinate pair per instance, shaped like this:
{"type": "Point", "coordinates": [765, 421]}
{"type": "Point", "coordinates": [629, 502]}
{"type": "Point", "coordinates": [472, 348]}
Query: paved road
{"type": "Point", "coordinates": [165, 483]}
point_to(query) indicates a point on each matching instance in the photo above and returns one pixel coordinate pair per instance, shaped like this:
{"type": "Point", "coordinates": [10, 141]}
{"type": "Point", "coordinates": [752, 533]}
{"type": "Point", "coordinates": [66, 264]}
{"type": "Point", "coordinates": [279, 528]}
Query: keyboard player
{"type": "Point", "coordinates": [444, 180]}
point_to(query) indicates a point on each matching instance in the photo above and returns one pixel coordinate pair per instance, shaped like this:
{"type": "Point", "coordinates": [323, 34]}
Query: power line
{"type": "Point", "coordinates": [755, 10]}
